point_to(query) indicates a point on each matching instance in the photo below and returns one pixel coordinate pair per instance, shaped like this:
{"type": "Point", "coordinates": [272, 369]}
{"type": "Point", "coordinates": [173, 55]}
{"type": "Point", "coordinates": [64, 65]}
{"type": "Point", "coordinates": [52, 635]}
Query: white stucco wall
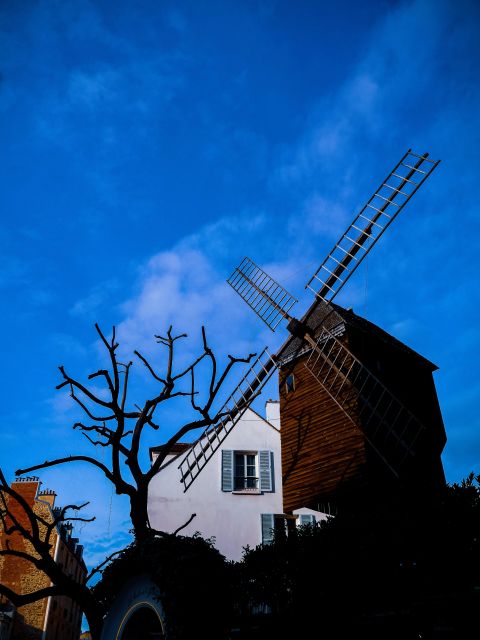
{"type": "Point", "coordinates": [319, 515]}
{"type": "Point", "coordinates": [233, 519]}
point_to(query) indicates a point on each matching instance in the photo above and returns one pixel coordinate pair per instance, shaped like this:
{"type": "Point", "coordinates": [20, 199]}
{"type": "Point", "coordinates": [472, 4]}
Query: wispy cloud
{"type": "Point", "coordinates": [185, 287]}
{"type": "Point", "coordinates": [99, 295]}
{"type": "Point", "coordinates": [351, 137]}
{"type": "Point", "coordinates": [101, 101]}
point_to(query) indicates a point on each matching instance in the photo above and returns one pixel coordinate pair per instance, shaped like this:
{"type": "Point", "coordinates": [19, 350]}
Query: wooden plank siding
{"type": "Point", "coordinates": [323, 452]}
{"type": "Point", "coordinates": [325, 457]}
{"type": "Point", "coordinates": [410, 379]}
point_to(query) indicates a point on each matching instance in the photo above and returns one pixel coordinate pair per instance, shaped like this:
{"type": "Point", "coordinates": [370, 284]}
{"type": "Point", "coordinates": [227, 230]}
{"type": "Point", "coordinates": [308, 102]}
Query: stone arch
{"type": "Point", "coordinates": [141, 622]}
{"type": "Point", "coordinates": [136, 612]}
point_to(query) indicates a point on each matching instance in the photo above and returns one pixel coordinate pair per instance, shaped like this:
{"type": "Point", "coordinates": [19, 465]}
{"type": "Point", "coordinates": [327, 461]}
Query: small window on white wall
{"type": "Point", "coordinates": [268, 526]}
{"type": "Point", "coordinates": [306, 518]}
{"type": "Point", "coordinates": [247, 471]}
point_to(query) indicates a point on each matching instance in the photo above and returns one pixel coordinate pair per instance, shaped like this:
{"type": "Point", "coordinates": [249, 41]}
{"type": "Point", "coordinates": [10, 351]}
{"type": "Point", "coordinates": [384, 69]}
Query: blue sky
{"type": "Point", "coordinates": [148, 146]}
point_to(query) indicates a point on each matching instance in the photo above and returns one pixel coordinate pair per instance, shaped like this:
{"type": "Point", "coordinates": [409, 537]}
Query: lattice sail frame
{"type": "Point", "coordinates": [249, 387]}
{"type": "Point", "coordinates": [369, 225]}
{"type": "Point", "coordinates": [270, 301]}
{"type": "Point", "coordinates": [383, 419]}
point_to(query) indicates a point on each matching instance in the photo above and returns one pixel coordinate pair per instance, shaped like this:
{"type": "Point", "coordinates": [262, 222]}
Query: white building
{"type": "Point", "coordinates": [237, 494]}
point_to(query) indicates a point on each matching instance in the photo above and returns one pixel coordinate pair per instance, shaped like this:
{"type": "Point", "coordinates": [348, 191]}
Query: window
{"type": "Point", "coordinates": [268, 525]}
{"type": "Point", "coordinates": [274, 526]}
{"type": "Point", "coordinates": [247, 471]}
{"type": "Point", "coordinates": [290, 383]}
{"type": "Point", "coordinates": [306, 518]}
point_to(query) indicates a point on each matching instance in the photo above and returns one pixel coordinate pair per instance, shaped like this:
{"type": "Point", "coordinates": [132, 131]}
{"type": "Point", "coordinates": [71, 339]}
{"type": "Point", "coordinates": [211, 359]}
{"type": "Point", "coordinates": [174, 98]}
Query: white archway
{"type": "Point", "coordinates": [136, 613]}
{"type": "Point", "coordinates": [141, 621]}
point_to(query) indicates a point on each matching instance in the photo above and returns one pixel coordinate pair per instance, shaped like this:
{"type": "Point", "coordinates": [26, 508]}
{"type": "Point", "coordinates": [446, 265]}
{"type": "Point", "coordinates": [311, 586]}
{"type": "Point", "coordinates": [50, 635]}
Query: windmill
{"type": "Point", "coordinates": [390, 428]}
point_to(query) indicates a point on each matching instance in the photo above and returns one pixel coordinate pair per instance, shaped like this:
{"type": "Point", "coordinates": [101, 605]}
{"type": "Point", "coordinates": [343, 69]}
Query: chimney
{"type": "Point", "coordinates": [48, 496]}
{"type": "Point", "coordinates": [27, 487]}
{"type": "Point", "coordinates": [272, 411]}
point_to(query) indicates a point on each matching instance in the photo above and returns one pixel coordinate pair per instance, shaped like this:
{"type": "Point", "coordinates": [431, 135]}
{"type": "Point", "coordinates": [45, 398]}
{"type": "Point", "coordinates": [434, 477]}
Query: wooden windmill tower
{"type": "Point", "coordinates": [350, 414]}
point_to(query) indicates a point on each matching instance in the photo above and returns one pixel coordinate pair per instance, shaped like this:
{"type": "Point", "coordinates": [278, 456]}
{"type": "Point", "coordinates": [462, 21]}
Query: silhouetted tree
{"type": "Point", "coordinates": [116, 425]}
{"type": "Point", "coordinates": [37, 535]}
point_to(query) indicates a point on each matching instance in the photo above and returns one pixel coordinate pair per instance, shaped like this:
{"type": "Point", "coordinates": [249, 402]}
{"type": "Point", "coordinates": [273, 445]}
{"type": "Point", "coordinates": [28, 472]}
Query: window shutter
{"type": "Point", "coordinates": [265, 464]}
{"type": "Point", "coordinates": [227, 470]}
{"type": "Point", "coordinates": [267, 528]}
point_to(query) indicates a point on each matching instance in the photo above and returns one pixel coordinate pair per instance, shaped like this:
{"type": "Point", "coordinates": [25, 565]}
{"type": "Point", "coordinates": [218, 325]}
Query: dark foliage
{"type": "Point", "coordinates": [401, 571]}
{"type": "Point", "coordinates": [192, 575]}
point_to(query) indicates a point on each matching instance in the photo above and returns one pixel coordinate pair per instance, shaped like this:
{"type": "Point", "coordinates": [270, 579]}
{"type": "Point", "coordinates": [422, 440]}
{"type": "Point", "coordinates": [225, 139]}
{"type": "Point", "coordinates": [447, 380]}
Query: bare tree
{"type": "Point", "coordinates": [112, 425]}
{"type": "Point", "coordinates": [18, 520]}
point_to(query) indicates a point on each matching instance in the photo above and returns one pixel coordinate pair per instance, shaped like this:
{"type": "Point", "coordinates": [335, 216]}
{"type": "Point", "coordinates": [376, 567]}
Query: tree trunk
{"type": "Point", "coordinates": [95, 624]}
{"type": "Point", "coordinates": [93, 611]}
{"type": "Point", "coordinates": [139, 514]}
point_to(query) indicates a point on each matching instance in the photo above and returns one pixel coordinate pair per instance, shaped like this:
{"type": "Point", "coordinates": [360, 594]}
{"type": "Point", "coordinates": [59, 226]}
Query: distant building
{"type": "Point", "coordinates": [53, 618]}
{"type": "Point", "coordinates": [238, 495]}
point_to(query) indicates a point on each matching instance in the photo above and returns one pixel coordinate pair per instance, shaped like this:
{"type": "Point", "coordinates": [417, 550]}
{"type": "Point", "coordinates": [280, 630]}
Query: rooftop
{"type": "Point", "coordinates": [335, 319]}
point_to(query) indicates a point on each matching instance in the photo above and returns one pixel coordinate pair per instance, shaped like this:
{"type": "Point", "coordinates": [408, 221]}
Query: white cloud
{"type": "Point", "coordinates": [89, 305]}
{"type": "Point", "coordinates": [324, 216]}
{"type": "Point", "coordinates": [185, 287]}
{"type": "Point", "coordinates": [372, 116]}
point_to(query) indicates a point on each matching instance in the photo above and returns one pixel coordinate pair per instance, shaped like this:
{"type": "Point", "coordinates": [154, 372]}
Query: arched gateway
{"type": "Point", "coordinates": [136, 613]}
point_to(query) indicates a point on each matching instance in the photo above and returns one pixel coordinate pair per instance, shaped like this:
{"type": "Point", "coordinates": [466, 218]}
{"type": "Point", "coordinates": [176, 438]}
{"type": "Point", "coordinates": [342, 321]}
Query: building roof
{"type": "Point", "coordinates": [336, 319]}
{"type": "Point", "coordinates": [175, 449]}
{"type": "Point", "coordinates": [180, 447]}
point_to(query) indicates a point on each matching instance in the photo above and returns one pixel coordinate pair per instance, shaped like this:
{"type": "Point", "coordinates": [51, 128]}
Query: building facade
{"type": "Point", "coordinates": [363, 443]}
{"type": "Point", "coordinates": [56, 617]}
{"type": "Point", "coordinates": [237, 498]}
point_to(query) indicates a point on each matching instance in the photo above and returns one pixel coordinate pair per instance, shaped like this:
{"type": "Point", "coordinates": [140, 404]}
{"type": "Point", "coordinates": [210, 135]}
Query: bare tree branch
{"type": "Point", "coordinates": [20, 600]}
{"type": "Point", "coordinates": [194, 515]}
{"type": "Point", "coordinates": [99, 567]}
{"type": "Point", "coordinates": [82, 388]}
{"type": "Point", "coordinates": [87, 410]}
{"type": "Point", "coordinates": [120, 431]}
{"type": "Point", "coordinates": [41, 555]}
{"type": "Point", "coordinates": [111, 348]}
{"type": "Point", "coordinates": [149, 367]}
{"type": "Point", "coordinates": [127, 488]}
{"type": "Point", "coordinates": [125, 386]}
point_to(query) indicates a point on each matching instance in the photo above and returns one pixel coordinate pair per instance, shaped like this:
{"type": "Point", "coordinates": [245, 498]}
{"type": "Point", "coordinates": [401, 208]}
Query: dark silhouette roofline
{"type": "Point", "coordinates": [332, 316]}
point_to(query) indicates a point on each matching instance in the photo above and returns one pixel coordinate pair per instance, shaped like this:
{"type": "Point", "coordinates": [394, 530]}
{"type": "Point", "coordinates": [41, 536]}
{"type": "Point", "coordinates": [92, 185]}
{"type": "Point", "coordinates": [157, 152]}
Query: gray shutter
{"type": "Point", "coordinates": [265, 468]}
{"type": "Point", "coordinates": [268, 525]}
{"type": "Point", "coordinates": [227, 470]}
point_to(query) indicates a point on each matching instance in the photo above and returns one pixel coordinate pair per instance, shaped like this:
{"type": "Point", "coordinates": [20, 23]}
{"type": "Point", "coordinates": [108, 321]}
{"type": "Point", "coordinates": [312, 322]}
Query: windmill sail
{"type": "Point", "coordinates": [270, 301]}
{"type": "Point", "coordinates": [388, 426]}
{"type": "Point", "coordinates": [249, 387]}
{"type": "Point", "coordinates": [379, 212]}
